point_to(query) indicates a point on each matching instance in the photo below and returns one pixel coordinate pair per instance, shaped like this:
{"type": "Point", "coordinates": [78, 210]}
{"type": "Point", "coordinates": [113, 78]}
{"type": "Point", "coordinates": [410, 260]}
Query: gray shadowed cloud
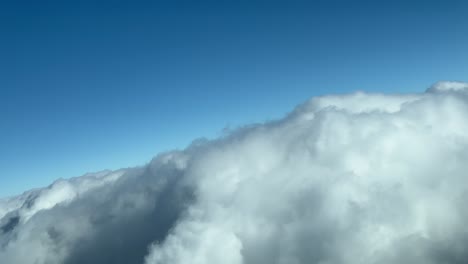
{"type": "Point", "coordinates": [356, 178]}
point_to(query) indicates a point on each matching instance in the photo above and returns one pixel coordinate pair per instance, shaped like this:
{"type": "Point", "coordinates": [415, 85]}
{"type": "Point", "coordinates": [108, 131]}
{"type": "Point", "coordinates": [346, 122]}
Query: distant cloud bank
{"type": "Point", "coordinates": [343, 179]}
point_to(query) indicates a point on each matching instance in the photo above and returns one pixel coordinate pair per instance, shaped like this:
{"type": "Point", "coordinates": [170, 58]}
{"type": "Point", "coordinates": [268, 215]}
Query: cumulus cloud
{"type": "Point", "coordinates": [357, 178]}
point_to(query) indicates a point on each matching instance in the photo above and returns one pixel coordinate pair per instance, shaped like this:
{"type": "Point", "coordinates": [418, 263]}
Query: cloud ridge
{"type": "Point", "coordinates": [355, 178]}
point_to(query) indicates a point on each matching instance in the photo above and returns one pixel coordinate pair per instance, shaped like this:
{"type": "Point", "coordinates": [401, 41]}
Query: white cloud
{"type": "Point", "coordinates": [359, 178]}
{"type": "Point", "coordinates": [448, 86]}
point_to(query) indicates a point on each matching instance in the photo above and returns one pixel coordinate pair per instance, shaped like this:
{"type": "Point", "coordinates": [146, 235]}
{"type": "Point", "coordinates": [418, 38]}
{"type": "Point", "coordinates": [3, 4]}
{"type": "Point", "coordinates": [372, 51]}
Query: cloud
{"type": "Point", "coordinates": [357, 178]}
{"type": "Point", "coordinates": [448, 86]}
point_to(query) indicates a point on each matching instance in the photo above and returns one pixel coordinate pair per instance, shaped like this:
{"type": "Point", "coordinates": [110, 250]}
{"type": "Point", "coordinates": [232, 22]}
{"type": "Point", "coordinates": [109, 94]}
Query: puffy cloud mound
{"type": "Point", "coordinates": [358, 178]}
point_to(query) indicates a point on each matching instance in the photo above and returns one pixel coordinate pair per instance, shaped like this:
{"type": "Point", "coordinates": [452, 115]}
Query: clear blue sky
{"type": "Point", "coordinates": [86, 86]}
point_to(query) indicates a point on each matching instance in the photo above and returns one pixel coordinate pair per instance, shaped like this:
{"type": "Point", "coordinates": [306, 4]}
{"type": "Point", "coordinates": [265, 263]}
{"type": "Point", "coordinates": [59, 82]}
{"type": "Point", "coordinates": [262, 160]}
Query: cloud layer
{"type": "Point", "coordinates": [358, 178]}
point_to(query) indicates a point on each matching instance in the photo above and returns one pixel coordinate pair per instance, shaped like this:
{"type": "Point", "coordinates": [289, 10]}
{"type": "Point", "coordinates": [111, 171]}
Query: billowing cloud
{"type": "Point", "coordinates": [358, 178]}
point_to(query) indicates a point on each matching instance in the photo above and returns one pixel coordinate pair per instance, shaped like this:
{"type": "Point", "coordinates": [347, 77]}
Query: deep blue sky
{"type": "Point", "coordinates": [86, 86]}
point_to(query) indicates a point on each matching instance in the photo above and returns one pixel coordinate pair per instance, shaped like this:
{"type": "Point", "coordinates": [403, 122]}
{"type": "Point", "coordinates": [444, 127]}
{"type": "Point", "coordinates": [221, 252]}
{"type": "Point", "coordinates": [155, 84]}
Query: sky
{"type": "Point", "coordinates": [93, 85]}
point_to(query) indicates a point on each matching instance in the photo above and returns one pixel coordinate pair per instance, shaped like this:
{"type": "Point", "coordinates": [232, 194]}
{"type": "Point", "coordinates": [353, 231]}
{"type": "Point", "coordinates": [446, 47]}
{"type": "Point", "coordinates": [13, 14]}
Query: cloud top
{"type": "Point", "coordinates": [445, 86]}
{"type": "Point", "coordinates": [357, 178]}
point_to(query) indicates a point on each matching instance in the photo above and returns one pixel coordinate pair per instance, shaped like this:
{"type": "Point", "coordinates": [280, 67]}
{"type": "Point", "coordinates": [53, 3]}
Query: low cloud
{"type": "Point", "coordinates": [357, 178]}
